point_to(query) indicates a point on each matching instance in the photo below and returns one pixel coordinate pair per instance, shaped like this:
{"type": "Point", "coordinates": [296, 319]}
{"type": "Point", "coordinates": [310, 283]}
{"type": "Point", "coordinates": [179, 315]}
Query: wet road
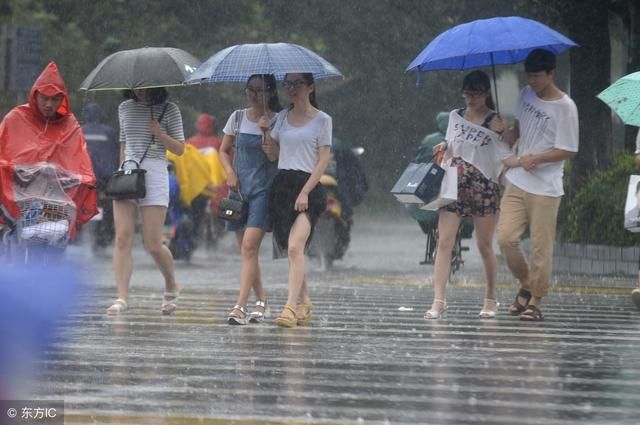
{"type": "Point", "coordinates": [367, 356]}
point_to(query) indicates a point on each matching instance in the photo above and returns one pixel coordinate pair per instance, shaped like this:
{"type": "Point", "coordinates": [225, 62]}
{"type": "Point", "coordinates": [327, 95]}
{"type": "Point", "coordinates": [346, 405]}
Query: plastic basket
{"type": "Point", "coordinates": [45, 222]}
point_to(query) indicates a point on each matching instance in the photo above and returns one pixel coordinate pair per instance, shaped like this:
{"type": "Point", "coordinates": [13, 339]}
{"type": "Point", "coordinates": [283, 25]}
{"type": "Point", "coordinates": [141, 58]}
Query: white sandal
{"type": "Point", "coordinates": [241, 319]}
{"type": "Point", "coordinates": [436, 314]}
{"type": "Point", "coordinates": [120, 305]}
{"type": "Point", "coordinates": [169, 306]}
{"type": "Point", "coordinates": [485, 313]}
{"type": "Point", "coordinates": [258, 316]}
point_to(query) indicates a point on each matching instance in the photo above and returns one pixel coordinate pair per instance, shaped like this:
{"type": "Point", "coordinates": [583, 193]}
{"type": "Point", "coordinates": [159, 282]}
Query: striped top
{"type": "Point", "coordinates": [134, 120]}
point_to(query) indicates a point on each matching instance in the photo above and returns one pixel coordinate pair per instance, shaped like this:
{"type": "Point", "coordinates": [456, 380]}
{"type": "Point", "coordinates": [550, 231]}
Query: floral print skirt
{"type": "Point", "coordinates": [477, 195]}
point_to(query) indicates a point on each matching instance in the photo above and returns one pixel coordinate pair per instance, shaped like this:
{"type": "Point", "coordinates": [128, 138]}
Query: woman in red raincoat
{"type": "Point", "coordinates": [45, 130]}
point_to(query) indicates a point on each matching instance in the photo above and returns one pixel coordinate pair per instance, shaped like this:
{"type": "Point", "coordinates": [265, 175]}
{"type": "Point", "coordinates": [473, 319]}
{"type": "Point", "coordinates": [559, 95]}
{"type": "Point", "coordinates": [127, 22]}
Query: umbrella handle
{"type": "Point", "coordinates": [495, 84]}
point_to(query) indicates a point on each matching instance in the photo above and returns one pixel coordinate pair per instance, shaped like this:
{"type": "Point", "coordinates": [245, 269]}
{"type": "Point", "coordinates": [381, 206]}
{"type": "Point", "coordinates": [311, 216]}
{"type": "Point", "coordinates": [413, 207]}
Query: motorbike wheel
{"type": "Point", "coordinates": [330, 240]}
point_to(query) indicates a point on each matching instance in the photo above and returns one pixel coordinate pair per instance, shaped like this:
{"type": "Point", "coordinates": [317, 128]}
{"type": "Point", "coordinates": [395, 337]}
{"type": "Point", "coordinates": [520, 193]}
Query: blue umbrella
{"type": "Point", "coordinates": [488, 42]}
{"type": "Point", "coordinates": [239, 62]}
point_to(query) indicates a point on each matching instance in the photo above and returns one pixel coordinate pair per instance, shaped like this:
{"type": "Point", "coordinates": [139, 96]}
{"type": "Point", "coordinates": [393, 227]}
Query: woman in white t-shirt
{"type": "Point", "coordinates": [477, 153]}
{"type": "Point", "coordinates": [251, 175]}
{"type": "Point", "coordinates": [302, 135]}
{"type": "Point", "coordinates": [149, 126]}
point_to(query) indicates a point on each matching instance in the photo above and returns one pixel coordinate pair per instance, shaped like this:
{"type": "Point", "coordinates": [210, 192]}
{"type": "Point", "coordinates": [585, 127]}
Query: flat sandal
{"type": "Point", "coordinates": [516, 308]}
{"type": "Point", "coordinates": [532, 314]}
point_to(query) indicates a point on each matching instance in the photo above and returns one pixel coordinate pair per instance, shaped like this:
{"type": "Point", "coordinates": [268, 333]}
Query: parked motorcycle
{"type": "Point", "coordinates": [332, 233]}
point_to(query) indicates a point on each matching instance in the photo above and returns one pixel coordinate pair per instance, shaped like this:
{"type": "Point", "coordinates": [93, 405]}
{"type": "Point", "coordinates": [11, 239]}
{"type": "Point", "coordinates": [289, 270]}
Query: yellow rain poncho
{"type": "Point", "coordinates": [195, 171]}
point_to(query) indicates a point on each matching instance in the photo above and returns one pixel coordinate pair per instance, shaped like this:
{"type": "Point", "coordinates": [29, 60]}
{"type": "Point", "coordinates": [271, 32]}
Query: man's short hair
{"type": "Point", "coordinates": [540, 60]}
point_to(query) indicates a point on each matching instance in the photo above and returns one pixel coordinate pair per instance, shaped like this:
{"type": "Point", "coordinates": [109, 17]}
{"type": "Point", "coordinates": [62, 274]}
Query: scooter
{"type": "Point", "coordinates": [332, 233]}
{"type": "Point", "coordinates": [101, 225]}
{"type": "Point", "coordinates": [179, 229]}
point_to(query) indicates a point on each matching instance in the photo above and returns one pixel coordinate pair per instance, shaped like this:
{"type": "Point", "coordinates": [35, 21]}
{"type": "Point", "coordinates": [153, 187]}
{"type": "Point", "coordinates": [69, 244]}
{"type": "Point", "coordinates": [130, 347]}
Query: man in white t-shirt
{"type": "Point", "coordinates": [546, 128]}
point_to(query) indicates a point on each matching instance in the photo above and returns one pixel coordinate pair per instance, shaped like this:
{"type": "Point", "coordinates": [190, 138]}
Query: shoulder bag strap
{"type": "Point", "coordinates": [237, 123]}
{"type": "Point", "coordinates": [153, 139]}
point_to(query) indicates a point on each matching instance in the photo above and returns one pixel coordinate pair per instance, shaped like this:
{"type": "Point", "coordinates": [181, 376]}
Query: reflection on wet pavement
{"type": "Point", "coordinates": [367, 357]}
{"type": "Point", "coordinates": [362, 360]}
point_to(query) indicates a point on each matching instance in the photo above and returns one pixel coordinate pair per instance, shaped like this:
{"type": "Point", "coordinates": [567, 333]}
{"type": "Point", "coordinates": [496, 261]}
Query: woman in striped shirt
{"type": "Point", "coordinates": [149, 126]}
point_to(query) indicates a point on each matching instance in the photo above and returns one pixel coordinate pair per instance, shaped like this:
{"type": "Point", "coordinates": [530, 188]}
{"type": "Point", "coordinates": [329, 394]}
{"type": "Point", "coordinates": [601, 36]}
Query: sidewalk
{"type": "Point", "coordinates": [368, 356]}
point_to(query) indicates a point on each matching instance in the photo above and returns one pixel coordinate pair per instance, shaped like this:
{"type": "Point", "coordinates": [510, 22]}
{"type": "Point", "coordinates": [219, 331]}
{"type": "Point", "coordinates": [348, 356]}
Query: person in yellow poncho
{"type": "Point", "coordinates": [200, 176]}
{"type": "Point", "coordinates": [197, 173]}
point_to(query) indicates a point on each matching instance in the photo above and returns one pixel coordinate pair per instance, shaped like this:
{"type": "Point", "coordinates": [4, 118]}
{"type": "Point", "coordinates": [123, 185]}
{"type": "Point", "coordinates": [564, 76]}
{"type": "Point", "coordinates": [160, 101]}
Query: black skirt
{"type": "Point", "coordinates": [284, 192]}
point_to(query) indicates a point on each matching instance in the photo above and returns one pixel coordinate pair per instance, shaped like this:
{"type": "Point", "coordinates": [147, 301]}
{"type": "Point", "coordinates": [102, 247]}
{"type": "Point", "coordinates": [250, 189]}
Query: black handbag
{"type": "Point", "coordinates": [127, 184]}
{"type": "Point", "coordinates": [234, 210]}
{"type": "Point", "coordinates": [130, 184]}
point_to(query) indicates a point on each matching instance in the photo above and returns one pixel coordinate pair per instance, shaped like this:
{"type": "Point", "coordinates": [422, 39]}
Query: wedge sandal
{"type": "Point", "coordinates": [287, 322]}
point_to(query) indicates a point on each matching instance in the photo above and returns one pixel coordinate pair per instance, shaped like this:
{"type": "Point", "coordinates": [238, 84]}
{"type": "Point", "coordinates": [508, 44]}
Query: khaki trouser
{"type": "Point", "coordinates": [518, 210]}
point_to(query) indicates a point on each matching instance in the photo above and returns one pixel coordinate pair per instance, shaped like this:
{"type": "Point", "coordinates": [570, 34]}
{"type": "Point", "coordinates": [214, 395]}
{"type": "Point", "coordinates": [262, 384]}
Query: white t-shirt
{"type": "Point", "coordinates": [477, 145]}
{"type": "Point", "coordinates": [638, 143]}
{"type": "Point", "coordinates": [246, 126]}
{"type": "Point", "coordinates": [299, 146]}
{"type": "Point", "coordinates": [544, 125]}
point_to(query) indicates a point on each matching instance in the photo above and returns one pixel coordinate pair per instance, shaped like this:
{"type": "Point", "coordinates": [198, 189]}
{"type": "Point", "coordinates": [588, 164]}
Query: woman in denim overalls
{"type": "Point", "coordinates": [254, 167]}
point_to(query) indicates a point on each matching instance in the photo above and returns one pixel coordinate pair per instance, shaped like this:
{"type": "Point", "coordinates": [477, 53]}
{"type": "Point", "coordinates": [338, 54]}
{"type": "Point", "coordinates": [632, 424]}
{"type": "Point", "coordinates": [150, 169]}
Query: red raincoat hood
{"type": "Point", "coordinates": [27, 137]}
{"type": "Point", "coordinates": [50, 83]}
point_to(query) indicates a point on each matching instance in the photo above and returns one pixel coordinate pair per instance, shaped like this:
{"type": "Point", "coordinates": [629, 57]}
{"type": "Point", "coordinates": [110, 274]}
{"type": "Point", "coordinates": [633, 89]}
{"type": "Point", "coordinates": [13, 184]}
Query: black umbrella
{"type": "Point", "coordinates": [146, 67]}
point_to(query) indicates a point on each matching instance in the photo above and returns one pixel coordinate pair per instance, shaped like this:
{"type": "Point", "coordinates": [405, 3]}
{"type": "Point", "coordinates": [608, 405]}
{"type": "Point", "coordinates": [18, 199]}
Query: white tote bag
{"type": "Point", "coordinates": [448, 190]}
{"type": "Point", "coordinates": [632, 206]}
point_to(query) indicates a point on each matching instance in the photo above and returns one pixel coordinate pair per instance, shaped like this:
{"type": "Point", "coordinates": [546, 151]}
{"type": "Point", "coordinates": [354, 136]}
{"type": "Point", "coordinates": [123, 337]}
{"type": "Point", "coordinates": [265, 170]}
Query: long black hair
{"type": "Point", "coordinates": [155, 95]}
{"type": "Point", "coordinates": [308, 79]}
{"type": "Point", "coordinates": [272, 87]}
{"type": "Point", "coordinates": [478, 81]}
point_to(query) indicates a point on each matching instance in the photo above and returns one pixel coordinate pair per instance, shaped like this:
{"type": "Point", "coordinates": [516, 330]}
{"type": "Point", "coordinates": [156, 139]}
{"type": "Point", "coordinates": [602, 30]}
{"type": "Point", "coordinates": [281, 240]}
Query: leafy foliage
{"type": "Point", "coordinates": [596, 213]}
{"type": "Point", "coordinates": [377, 105]}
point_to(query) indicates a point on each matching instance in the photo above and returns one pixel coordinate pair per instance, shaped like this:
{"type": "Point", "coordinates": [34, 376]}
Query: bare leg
{"type": "Point", "coordinates": [124, 215]}
{"type": "Point", "coordinates": [485, 228]}
{"type": "Point", "coordinates": [304, 293]}
{"type": "Point", "coordinates": [250, 273]}
{"type": "Point", "coordinates": [448, 223]}
{"type": "Point", "coordinates": [153, 218]}
{"type": "Point", "coordinates": [298, 236]}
